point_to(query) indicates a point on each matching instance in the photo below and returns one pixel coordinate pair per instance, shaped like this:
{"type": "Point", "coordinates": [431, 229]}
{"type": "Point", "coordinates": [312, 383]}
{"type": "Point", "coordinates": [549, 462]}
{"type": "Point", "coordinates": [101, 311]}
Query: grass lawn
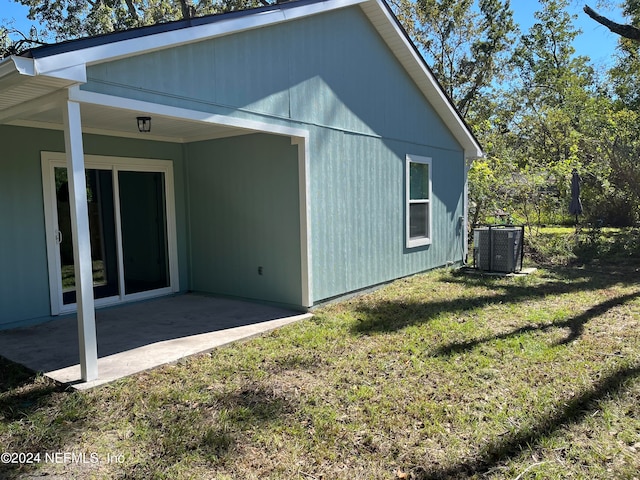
{"type": "Point", "coordinates": [584, 245]}
{"type": "Point", "coordinates": [441, 375]}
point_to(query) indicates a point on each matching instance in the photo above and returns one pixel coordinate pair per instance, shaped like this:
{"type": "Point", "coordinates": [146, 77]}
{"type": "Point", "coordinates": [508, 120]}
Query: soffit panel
{"type": "Point", "coordinates": [118, 122]}
{"type": "Point", "coordinates": [28, 89]}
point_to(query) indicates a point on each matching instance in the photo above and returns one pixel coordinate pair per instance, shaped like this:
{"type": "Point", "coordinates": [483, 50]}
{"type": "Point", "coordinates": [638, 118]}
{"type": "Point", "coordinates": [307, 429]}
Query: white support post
{"type": "Point", "coordinates": [303, 195]}
{"type": "Point", "coordinates": [81, 241]}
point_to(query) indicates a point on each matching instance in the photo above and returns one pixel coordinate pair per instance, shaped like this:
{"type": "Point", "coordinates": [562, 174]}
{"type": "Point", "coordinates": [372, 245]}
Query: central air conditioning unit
{"type": "Point", "coordinates": [498, 248]}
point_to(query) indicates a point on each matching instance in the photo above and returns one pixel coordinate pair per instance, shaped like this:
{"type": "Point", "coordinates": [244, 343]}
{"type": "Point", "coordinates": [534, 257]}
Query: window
{"type": "Point", "coordinates": [418, 204]}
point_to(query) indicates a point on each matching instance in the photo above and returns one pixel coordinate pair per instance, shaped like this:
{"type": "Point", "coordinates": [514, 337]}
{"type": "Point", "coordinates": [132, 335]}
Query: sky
{"type": "Point", "coordinates": [595, 41]}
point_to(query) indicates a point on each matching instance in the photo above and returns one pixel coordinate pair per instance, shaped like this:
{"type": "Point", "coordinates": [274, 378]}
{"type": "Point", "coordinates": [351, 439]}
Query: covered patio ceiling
{"type": "Point", "coordinates": [102, 120]}
{"type": "Point", "coordinates": [38, 101]}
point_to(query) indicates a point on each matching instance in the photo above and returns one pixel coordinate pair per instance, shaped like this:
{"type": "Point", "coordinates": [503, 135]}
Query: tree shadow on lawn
{"type": "Point", "coordinates": [23, 394]}
{"type": "Point", "coordinates": [511, 445]}
{"type": "Point", "coordinates": [575, 324]}
{"type": "Point", "coordinates": [46, 418]}
{"type": "Point", "coordinates": [13, 375]}
{"type": "Point", "coordinates": [393, 315]}
{"type": "Point", "coordinates": [22, 391]}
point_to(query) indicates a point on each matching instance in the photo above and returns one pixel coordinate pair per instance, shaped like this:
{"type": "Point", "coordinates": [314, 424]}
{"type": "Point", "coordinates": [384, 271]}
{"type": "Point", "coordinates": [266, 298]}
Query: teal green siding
{"type": "Point", "coordinates": [237, 199]}
{"type": "Point", "coordinates": [245, 216]}
{"type": "Point", "coordinates": [241, 212]}
{"type": "Point", "coordinates": [331, 70]}
{"type": "Point", "coordinates": [24, 281]}
{"type": "Point", "coordinates": [333, 75]}
{"type": "Point", "coordinates": [358, 215]}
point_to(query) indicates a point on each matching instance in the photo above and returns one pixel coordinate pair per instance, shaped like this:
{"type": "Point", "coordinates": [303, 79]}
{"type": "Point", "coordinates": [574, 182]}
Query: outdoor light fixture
{"type": "Point", "coordinates": [144, 124]}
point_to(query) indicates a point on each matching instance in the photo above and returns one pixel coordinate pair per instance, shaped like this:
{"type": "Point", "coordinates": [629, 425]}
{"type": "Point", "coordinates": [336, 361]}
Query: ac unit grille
{"type": "Point", "coordinates": [498, 249]}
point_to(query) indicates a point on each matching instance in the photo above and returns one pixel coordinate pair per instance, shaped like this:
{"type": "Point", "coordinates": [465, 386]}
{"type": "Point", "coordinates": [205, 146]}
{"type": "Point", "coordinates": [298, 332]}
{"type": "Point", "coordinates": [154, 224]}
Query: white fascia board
{"type": "Point", "coordinates": [15, 70]}
{"type": "Point", "coordinates": [159, 41]}
{"type": "Point", "coordinates": [75, 73]}
{"type": "Point", "coordinates": [395, 37]}
{"type": "Point", "coordinates": [307, 10]}
{"type": "Point", "coordinates": [21, 65]}
{"type": "Point", "coordinates": [81, 96]}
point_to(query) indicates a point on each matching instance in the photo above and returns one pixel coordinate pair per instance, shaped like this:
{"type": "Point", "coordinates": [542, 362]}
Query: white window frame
{"type": "Point", "coordinates": [51, 160]}
{"type": "Point", "coordinates": [417, 241]}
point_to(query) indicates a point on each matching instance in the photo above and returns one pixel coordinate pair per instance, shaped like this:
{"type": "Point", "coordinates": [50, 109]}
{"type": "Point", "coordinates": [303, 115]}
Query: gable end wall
{"type": "Point", "coordinates": [333, 75]}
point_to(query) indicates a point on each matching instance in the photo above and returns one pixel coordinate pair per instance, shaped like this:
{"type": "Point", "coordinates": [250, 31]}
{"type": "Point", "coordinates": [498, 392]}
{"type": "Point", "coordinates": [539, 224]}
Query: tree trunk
{"type": "Point", "coordinates": [188, 10]}
{"type": "Point", "coordinates": [132, 11]}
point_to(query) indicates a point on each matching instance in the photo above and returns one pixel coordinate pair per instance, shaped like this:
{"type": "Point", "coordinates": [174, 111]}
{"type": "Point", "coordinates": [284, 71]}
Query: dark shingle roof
{"type": "Point", "coordinates": [104, 39]}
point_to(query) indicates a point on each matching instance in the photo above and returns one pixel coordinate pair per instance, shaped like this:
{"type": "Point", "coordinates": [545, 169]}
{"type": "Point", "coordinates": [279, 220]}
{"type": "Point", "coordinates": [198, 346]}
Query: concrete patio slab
{"type": "Point", "coordinates": [140, 336]}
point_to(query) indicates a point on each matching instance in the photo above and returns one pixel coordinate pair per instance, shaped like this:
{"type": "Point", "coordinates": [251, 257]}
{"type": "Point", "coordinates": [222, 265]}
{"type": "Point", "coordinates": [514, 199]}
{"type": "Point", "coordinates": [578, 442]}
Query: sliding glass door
{"type": "Point", "coordinates": [144, 231]}
{"type": "Point", "coordinates": [131, 228]}
{"type": "Point", "coordinates": [102, 230]}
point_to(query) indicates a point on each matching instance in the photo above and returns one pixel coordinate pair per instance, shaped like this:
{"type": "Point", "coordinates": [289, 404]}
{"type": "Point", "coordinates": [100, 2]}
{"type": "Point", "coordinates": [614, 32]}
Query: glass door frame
{"type": "Point", "coordinates": [52, 160]}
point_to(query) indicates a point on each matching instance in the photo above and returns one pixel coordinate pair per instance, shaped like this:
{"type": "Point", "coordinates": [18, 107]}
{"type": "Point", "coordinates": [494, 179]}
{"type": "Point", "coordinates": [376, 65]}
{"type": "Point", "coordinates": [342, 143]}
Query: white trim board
{"type": "Point", "coordinates": [305, 224]}
{"type": "Point", "coordinates": [121, 103]}
{"type": "Point", "coordinates": [412, 242]}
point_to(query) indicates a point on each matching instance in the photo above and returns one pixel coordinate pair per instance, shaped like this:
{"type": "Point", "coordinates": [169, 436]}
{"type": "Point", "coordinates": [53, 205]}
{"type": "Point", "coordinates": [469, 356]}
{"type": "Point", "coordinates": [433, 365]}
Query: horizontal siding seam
{"type": "Point", "coordinates": [269, 115]}
{"type": "Point", "coordinates": [182, 97]}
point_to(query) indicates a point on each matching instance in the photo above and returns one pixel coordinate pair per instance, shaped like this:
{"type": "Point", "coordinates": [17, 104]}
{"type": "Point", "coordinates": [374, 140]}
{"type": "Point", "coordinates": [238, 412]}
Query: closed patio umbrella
{"type": "Point", "coordinates": [575, 207]}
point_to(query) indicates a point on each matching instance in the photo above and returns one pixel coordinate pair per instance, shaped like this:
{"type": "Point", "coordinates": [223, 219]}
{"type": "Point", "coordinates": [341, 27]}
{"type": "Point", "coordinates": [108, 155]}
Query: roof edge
{"type": "Point", "coordinates": [469, 142]}
{"type": "Point", "coordinates": [68, 59]}
{"type": "Point", "coordinates": [20, 65]}
{"type": "Point", "coordinates": [146, 30]}
{"type": "Point", "coordinates": [157, 37]}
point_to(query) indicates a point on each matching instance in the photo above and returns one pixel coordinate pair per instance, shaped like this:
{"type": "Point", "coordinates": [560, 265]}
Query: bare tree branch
{"type": "Point", "coordinates": [626, 31]}
{"type": "Point", "coordinates": [19, 46]}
